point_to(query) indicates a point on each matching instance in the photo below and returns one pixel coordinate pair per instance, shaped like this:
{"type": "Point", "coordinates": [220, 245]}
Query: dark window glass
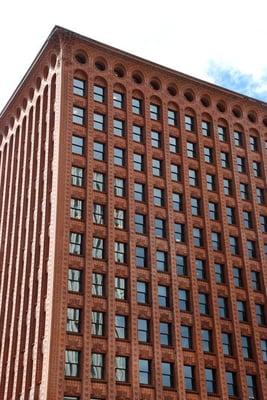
{"type": "Point", "coordinates": [264, 349]}
{"type": "Point", "coordinates": [252, 249]}
{"type": "Point", "coordinates": [213, 211]}
{"type": "Point", "coordinates": [167, 374]}
{"type": "Point", "coordinates": [253, 141]}
{"type": "Point", "coordinates": [186, 337]}
{"type": "Point", "coordinates": [260, 314]}
{"type": "Point", "coordinates": [256, 280]}
{"type": "Point", "coordinates": [219, 273]}
{"type": "Point", "coordinates": [256, 166]}
{"type": "Point", "coordinates": [210, 380]}
{"type": "Point", "coordinates": [189, 377]}
{"type": "Point", "coordinates": [227, 344]}
{"type": "Point", "coordinates": [184, 300]}
{"type": "Point", "coordinates": [246, 346]}
{"type": "Point", "coordinates": [242, 310]}
{"type": "Point", "coordinates": [223, 307]}
{"type": "Point", "coordinates": [234, 245]}
{"type": "Point", "coordinates": [206, 336]}
{"type": "Point", "coordinates": [203, 303]}
{"type": "Point", "coordinates": [231, 383]}
{"type": "Point", "coordinates": [260, 195]}
{"type": "Point", "coordinates": [200, 269]}
{"type": "Point", "coordinates": [216, 241]}
{"type": "Point", "coordinates": [141, 256]}
{"type": "Point", "coordinates": [252, 387]}
{"type": "Point", "coordinates": [198, 237]}
{"type": "Point", "coordinates": [238, 277]}
{"type": "Point", "coordinates": [263, 223]}
{"type": "Point", "coordinates": [230, 213]}
{"type": "Point", "coordinates": [181, 265]}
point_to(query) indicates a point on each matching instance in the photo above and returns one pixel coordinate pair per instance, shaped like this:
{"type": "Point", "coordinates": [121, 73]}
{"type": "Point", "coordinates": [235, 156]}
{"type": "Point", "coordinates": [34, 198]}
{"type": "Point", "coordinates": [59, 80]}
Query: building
{"type": "Point", "coordinates": [133, 232]}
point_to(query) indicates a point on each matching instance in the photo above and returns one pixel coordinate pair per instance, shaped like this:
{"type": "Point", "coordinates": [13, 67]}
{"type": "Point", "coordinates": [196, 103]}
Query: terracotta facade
{"type": "Point", "coordinates": [195, 239]}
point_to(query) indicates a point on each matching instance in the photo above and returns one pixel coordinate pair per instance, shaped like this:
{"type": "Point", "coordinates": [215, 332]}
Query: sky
{"type": "Point", "coordinates": [223, 42]}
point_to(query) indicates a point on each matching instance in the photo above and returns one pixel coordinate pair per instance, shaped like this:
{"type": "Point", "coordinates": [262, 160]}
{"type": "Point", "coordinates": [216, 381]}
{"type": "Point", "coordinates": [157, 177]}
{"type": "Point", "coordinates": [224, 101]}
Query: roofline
{"type": "Point", "coordinates": [104, 46]}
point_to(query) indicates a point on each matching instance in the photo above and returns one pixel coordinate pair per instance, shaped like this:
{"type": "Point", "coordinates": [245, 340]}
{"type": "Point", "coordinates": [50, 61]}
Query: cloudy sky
{"type": "Point", "coordinates": [220, 41]}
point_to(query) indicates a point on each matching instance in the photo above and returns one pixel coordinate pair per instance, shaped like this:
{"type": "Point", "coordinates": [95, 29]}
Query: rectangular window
{"type": "Point", "coordinates": [97, 366]}
{"type": "Point", "coordinates": [172, 117]}
{"type": "Point", "coordinates": [99, 151]}
{"type": "Point", "coordinates": [263, 223]}
{"type": "Point", "coordinates": [74, 280]}
{"type": "Point", "coordinates": [118, 127]}
{"type": "Point", "coordinates": [79, 87]}
{"type": "Point", "coordinates": [252, 249]}
{"type": "Point", "coordinates": [118, 100]}
{"type": "Point", "coordinates": [211, 182]}
{"type": "Point", "coordinates": [78, 115]}
{"type": "Point", "coordinates": [181, 265]}
{"type": "Point", "coordinates": [184, 300]}
{"type": "Point", "coordinates": [155, 139]}
{"type": "Point", "coordinates": [143, 330]}
{"type": "Point", "coordinates": [118, 156]}
{"type": "Point", "coordinates": [160, 227]}
{"type": "Point", "coordinates": [246, 346]}
{"type": "Point", "coordinates": [120, 252]}
{"type": "Point", "coordinates": [154, 112]}
{"type": "Point", "coordinates": [227, 344]}
{"type": "Point", "coordinates": [137, 133]}
{"type": "Point", "coordinates": [72, 363]}
{"type": "Point", "coordinates": [198, 237]}
{"type": "Point", "coordinates": [139, 191]}
{"type": "Point", "coordinates": [162, 261]}
{"type": "Point", "coordinates": [98, 214]}
{"type": "Point", "coordinates": [193, 177]}
{"type": "Point", "coordinates": [222, 133]}
{"type": "Point", "coordinates": [76, 243]}
{"type": "Point", "coordinates": [260, 314]}
{"type": "Point", "coordinates": [156, 167]}
{"type": "Point", "coordinates": [228, 187]}
{"type": "Point", "coordinates": [189, 377]}
{"type": "Point", "coordinates": [77, 145]}
{"type": "Point", "coordinates": [238, 277]}
{"type": "Point", "coordinates": [252, 387]}
{"type": "Point", "coordinates": [225, 160]}
{"type": "Point", "coordinates": [99, 182]}
{"type": "Point", "coordinates": [144, 372]}
{"type": "Point", "coordinates": [165, 331]}
{"type": "Point", "coordinates": [97, 323]}
{"type": "Point", "coordinates": [206, 336]}
{"type": "Point", "coordinates": [186, 337]}
{"type": "Point", "coordinates": [260, 195]}
{"type": "Point", "coordinates": [179, 232]}
{"type": "Point", "coordinates": [140, 223]}
{"type": "Point", "coordinates": [73, 320]}
{"type": "Point", "coordinates": [98, 248]}
{"type": "Point", "coordinates": [213, 211]}
{"type": "Point", "coordinates": [191, 150]}
{"type": "Point", "coordinates": [177, 201]}
{"type": "Point", "coordinates": [256, 280]}
{"type": "Point", "coordinates": [142, 292]}
{"type": "Point", "coordinates": [203, 303]}
{"type": "Point", "coordinates": [175, 172]}
{"type": "Point", "coordinates": [99, 94]}
{"type": "Point", "coordinates": [77, 176]}
{"type": "Point", "coordinates": [223, 307]}
{"type": "Point", "coordinates": [167, 374]}
{"type": "Point", "coordinates": [76, 208]}
{"type": "Point", "coordinates": [200, 269]}
{"type": "Point", "coordinates": [216, 241]}
{"type": "Point", "coordinates": [173, 142]}
{"type": "Point", "coordinates": [238, 138]}
{"type": "Point", "coordinates": [234, 245]}
{"type": "Point", "coordinates": [119, 218]}
{"type": "Point", "coordinates": [141, 256]}
{"type": "Point", "coordinates": [158, 197]}
{"type": "Point", "coordinates": [206, 128]}
{"type": "Point", "coordinates": [119, 187]}
{"type": "Point", "coordinates": [120, 288]}
{"type": "Point", "coordinates": [210, 380]}
{"type": "Point", "coordinates": [208, 155]}
{"type": "Point", "coordinates": [244, 191]}
{"type": "Point", "coordinates": [230, 213]}
{"type": "Point", "coordinates": [189, 123]}
{"type": "Point", "coordinates": [242, 310]}
{"type": "Point", "coordinates": [163, 296]}
{"type": "Point", "coordinates": [99, 122]}
{"type": "Point", "coordinates": [121, 331]}
{"type": "Point", "coordinates": [264, 349]}
{"type": "Point", "coordinates": [256, 166]}
{"type": "Point", "coordinates": [219, 273]}
{"type": "Point", "coordinates": [231, 383]}
{"type": "Point", "coordinates": [241, 164]}
{"type": "Point", "coordinates": [136, 106]}
{"type": "Point", "coordinates": [138, 162]}
{"type": "Point", "coordinates": [98, 285]}
{"type": "Point", "coordinates": [253, 141]}
{"type": "Point", "coordinates": [247, 218]}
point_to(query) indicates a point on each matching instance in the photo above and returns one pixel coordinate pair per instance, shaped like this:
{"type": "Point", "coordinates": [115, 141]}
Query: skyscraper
{"type": "Point", "coordinates": [133, 232]}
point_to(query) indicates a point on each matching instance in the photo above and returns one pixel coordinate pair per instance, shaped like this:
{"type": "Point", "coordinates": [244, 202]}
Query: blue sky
{"type": "Point", "coordinates": [234, 79]}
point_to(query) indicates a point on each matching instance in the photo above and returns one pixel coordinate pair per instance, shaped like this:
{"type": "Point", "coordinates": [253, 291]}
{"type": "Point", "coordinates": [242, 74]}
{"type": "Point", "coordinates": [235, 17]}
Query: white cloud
{"type": "Point", "coordinates": [184, 35]}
